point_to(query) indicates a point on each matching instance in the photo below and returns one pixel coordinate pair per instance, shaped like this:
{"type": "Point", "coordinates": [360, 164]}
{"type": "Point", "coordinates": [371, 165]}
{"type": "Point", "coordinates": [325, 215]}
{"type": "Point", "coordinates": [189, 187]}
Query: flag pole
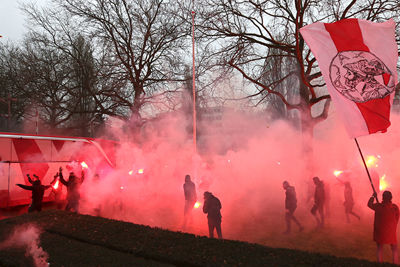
{"type": "Point", "coordinates": [366, 168]}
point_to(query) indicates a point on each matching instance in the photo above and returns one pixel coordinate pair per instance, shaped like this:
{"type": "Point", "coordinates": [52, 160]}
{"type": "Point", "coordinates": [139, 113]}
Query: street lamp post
{"type": "Point", "coordinates": [194, 84]}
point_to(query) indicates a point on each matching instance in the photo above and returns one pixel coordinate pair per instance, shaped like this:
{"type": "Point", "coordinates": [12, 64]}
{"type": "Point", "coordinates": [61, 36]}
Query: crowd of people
{"type": "Point", "coordinates": [73, 191]}
{"type": "Point", "coordinates": [385, 218]}
{"type": "Point", "coordinates": [386, 215]}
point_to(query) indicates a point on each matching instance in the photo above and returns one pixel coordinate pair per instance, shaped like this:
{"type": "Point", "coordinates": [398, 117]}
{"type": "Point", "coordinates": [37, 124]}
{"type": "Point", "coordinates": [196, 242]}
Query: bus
{"type": "Point", "coordinates": [41, 155]}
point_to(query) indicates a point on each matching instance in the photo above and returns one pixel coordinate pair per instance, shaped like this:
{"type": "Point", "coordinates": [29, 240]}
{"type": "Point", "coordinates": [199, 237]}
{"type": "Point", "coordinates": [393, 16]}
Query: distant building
{"type": "Point", "coordinates": [396, 100]}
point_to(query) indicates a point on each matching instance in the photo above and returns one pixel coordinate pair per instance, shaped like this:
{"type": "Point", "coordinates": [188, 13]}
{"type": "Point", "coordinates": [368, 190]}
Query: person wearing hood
{"type": "Point", "coordinates": [290, 206]}
{"type": "Point", "coordinates": [386, 219]}
{"type": "Point", "coordinates": [319, 202]}
{"type": "Point", "coordinates": [212, 207]}
{"type": "Point", "coordinates": [73, 189]}
{"type": "Point", "coordinates": [189, 189]}
{"type": "Point", "coordinates": [37, 192]}
{"type": "Point", "coordinates": [349, 202]}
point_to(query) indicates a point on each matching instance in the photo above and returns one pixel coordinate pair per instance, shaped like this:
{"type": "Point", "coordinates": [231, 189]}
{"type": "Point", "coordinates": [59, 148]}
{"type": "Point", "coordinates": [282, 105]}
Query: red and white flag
{"type": "Point", "coordinates": [357, 59]}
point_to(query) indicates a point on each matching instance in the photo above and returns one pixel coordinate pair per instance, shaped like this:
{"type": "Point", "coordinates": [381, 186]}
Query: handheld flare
{"type": "Point", "coordinates": [84, 165]}
{"type": "Point", "coordinates": [337, 173]}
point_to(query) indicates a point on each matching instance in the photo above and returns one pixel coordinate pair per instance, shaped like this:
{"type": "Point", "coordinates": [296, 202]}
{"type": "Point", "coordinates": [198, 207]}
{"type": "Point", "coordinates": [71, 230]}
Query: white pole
{"type": "Point", "coordinates": [194, 85]}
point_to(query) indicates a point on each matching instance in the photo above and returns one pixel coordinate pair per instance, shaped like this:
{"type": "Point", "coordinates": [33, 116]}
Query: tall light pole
{"type": "Point", "coordinates": [194, 85]}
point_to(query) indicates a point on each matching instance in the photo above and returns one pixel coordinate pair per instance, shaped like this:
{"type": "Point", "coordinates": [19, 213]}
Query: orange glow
{"type": "Point", "coordinates": [197, 204]}
{"type": "Point", "coordinates": [337, 173]}
{"type": "Point", "coordinates": [383, 185]}
{"type": "Point", "coordinates": [84, 165]}
{"type": "Point", "coordinates": [140, 171]}
{"type": "Point", "coordinates": [130, 172]}
{"type": "Point", "coordinates": [371, 161]}
{"type": "Point", "coordinates": [55, 185]}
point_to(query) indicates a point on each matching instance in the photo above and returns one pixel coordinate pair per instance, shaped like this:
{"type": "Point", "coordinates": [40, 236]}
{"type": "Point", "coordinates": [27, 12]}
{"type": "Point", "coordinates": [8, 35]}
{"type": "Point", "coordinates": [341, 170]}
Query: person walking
{"type": "Point", "coordinates": [319, 201]}
{"type": "Point", "coordinates": [290, 206]}
{"type": "Point", "coordinates": [349, 202]}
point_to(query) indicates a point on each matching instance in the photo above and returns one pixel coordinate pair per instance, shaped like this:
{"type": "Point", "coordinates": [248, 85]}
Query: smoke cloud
{"type": "Point", "coordinates": [27, 236]}
{"type": "Point", "coordinates": [242, 159]}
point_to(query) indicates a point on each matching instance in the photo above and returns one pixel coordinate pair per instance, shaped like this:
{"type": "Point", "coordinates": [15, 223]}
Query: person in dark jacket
{"type": "Point", "coordinates": [189, 189]}
{"type": "Point", "coordinates": [290, 206]}
{"type": "Point", "coordinates": [385, 224]}
{"type": "Point", "coordinates": [349, 202]}
{"type": "Point", "coordinates": [73, 185]}
{"type": "Point", "coordinates": [319, 201]}
{"type": "Point", "coordinates": [212, 206]}
{"type": "Point", "coordinates": [57, 192]}
{"type": "Point", "coordinates": [37, 192]}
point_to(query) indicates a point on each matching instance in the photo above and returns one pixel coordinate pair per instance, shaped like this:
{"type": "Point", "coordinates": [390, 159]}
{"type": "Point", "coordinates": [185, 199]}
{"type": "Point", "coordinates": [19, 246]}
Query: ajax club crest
{"type": "Point", "coordinates": [360, 76]}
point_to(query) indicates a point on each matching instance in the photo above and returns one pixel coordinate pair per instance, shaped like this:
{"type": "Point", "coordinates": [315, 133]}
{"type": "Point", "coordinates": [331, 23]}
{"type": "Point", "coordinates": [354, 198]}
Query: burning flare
{"type": "Point", "coordinates": [139, 171]}
{"type": "Point", "coordinates": [337, 173]}
{"type": "Point", "coordinates": [197, 205]}
{"type": "Point", "coordinates": [84, 165]}
{"type": "Point", "coordinates": [55, 185]}
{"type": "Point", "coordinates": [371, 161]}
{"type": "Point", "coordinates": [382, 183]}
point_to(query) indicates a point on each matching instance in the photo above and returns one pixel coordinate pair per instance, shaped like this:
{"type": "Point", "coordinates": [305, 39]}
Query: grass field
{"type": "Point", "coordinates": [71, 239]}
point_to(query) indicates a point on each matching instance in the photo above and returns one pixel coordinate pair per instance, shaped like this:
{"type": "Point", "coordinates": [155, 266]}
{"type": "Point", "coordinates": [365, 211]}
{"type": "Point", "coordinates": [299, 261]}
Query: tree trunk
{"type": "Point", "coordinates": [307, 128]}
{"type": "Point", "coordinates": [135, 121]}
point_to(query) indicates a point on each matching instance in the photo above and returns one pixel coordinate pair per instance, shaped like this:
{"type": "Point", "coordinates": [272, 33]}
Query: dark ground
{"type": "Point", "coordinates": [81, 240]}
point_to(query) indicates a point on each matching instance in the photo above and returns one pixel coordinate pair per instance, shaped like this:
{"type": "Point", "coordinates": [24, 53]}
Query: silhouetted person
{"type": "Point", "coordinates": [30, 179]}
{"type": "Point", "coordinates": [290, 206]}
{"type": "Point", "coordinates": [349, 202]}
{"type": "Point", "coordinates": [319, 200]}
{"type": "Point", "coordinates": [385, 225]}
{"type": "Point", "coordinates": [189, 189]}
{"type": "Point", "coordinates": [73, 185]}
{"type": "Point", "coordinates": [212, 206]}
{"type": "Point", "coordinates": [37, 193]}
{"type": "Point", "coordinates": [57, 191]}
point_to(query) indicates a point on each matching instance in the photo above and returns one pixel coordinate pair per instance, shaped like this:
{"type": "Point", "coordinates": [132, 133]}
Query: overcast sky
{"type": "Point", "coordinates": [12, 20]}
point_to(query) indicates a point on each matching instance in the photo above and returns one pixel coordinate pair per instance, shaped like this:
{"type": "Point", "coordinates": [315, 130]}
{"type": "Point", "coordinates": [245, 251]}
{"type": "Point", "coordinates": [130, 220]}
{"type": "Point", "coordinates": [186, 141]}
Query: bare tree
{"type": "Point", "coordinates": [89, 77]}
{"type": "Point", "coordinates": [11, 106]}
{"type": "Point", "coordinates": [144, 41]}
{"type": "Point", "coordinates": [44, 71]}
{"type": "Point", "coordinates": [281, 75]}
{"type": "Point", "coordinates": [243, 33]}
{"type": "Point", "coordinates": [82, 86]}
{"type": "Point", "coordinates": [56, 85]}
